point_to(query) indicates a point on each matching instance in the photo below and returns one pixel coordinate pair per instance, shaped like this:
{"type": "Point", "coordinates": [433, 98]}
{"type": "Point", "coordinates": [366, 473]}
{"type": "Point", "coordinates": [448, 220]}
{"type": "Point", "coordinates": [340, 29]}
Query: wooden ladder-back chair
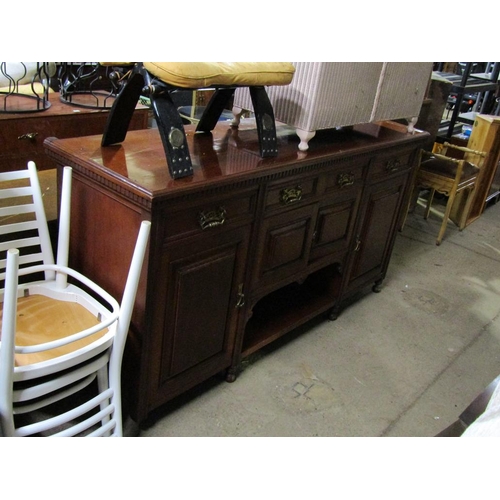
{"type": "Point", "coordinates": [63, 336]}
{"type": "Point", "coordinates": [449, 176]}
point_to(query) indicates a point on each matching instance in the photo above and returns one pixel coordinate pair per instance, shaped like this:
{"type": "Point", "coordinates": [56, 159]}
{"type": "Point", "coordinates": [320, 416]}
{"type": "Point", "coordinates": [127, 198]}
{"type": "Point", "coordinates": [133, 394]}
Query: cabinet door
{"type": "Point", "coordinates": [198, 284]}
{"type": "Point", "coordinates": [284, 245]}
{"type": "Point", "coordinates": [334, 225]}
{"type": "Point", "coordinates": [375, 233]}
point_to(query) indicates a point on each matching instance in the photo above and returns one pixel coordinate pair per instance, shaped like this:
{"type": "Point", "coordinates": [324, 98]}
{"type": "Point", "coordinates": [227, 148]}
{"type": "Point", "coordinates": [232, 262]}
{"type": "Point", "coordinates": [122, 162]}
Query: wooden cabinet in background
{"type": "Point", "coordinates": [485, 137]}
{"type": "Point", "coordinates": [242, 252]}
{"type": "Point", "coordinates": [22, 134]}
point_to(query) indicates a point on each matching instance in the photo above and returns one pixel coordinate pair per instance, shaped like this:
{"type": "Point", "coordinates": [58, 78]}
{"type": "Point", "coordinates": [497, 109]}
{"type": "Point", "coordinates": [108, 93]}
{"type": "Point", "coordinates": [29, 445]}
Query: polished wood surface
{"type": "Point", "coordinates": [223, 156]}
{"type": "Point", "coordinates": [242, 252]}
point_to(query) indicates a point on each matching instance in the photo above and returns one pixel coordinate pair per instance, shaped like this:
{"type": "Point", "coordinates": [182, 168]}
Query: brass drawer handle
{"type": "Point", "coordinates": [291, 195]}
{"type": "Point", "coordinates": [393, 165]}
{"type": "Point", "coordinates": [345, 179]}
{"type": "Point", "coordinates": [240, 297]}
{"type": "Point", "coordinates": [212, 218]}
{"type": "Point", "coordinates": [358, 244]}
{"type": "Point", "coordinates": [29, 136]}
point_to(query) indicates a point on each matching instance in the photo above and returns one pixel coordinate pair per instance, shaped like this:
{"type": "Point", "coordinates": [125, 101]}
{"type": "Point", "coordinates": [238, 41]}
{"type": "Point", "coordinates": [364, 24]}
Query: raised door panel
{"type": "Point", "coordinates": [195, 330]}
{"type": "Point", "coordinates": [335, 224]}
{"type": "Point", "coordinates": [376, 231]}
{"type": "Point", "coordinates": [284, 245]}
{"type": "Point", "coordinates": [201, 305]}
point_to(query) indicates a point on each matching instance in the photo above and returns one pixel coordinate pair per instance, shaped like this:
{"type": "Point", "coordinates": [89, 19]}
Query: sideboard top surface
{"type": "Point", "coordinates": [227, 155]}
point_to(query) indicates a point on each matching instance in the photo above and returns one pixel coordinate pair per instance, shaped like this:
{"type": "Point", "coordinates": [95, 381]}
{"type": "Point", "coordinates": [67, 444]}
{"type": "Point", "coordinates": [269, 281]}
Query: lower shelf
{"type": "Point", "coordinates": [291, 306]}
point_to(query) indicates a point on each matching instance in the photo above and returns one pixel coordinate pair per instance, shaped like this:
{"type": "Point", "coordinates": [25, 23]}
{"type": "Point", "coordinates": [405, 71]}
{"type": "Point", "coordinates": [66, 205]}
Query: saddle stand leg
{"type": "Point", "coordinates": [214, 109]}
{"type": "Point", "coordinates": [172, 134]}
{"type": "Point", "coordinates": [122, 110]}
{"type": "Point", "coordinates": [264, 117]}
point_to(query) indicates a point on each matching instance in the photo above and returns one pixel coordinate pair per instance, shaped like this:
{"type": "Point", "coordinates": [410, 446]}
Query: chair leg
{"type": "Point", "coordinates": [414, 199]}
{"type": "Point", "coordinates": [214, 109]}
{"type": "Point", "coordinates": [122, 110]}
{"type": "Point", "coordinates": [429, 203]}
{"type": "Point", "coordinates": [410, 207]}
{"type": "Point", "coordinates": [451, 199]}
{"type": "Point", "coordinates": [266, 126]}
{"type": "Point", "coordinates": [172, 134]}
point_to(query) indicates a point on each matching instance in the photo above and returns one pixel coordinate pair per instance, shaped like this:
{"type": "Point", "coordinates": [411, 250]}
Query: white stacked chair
{"type": "Point", "coordinates": [63, 336]}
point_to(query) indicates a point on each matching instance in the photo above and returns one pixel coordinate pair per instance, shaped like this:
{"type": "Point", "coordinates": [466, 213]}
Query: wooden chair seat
{"type": "Point", "coordinates": [65, 318]}
{"type": "Point", "coordinates": [157, 79]}
{"type": "Point", "coordinates": [448, 168]}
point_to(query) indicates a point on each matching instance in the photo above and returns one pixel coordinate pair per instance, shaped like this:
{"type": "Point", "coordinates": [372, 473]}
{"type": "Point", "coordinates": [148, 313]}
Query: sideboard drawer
{"type": "Point", "coordinates": [283, 195]}
{"type": "Point", "coordinates": [343, 178]}
{"type": "Point", "coordinates": [195, 217]}
{"type": "Point", "coordinates": [389, 164]}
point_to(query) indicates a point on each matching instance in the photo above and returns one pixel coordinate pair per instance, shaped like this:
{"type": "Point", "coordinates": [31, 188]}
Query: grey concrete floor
{"type": "Point", "coordinates": [403, 362]}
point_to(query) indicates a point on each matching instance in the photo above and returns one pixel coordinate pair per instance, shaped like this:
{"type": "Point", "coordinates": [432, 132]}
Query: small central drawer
{"type": "Point", "coordinates": [185, 219]}
{"type": "Point", "coordinates": [389, 164]}
{"type": "Point", "coordinates": [294, 193]}
{"type": "Point", "coordinates": [344, 178]}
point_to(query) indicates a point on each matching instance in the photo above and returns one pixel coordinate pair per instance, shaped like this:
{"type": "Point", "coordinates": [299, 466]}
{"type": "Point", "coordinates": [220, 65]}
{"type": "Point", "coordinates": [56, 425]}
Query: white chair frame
{"type": "Point", "coordinates": [27, 388]}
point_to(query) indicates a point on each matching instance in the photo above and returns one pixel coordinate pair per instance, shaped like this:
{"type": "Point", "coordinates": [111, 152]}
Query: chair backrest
{"type": "Point", "coordinates": [40, 369]}
{"type": "Point", "coordinates": [23, 223]}
{"type": "Point", "coordinates": [473, 156]}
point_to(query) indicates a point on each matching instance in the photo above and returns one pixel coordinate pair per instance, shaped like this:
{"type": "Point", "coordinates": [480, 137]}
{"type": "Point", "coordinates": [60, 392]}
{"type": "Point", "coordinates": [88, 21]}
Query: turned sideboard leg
{"type": "Point", "coordinates": [231, 374]}
{"type": "Point", "coordinates": [334, 313]}
{"type": "Point", "coordinates": [377, 287]}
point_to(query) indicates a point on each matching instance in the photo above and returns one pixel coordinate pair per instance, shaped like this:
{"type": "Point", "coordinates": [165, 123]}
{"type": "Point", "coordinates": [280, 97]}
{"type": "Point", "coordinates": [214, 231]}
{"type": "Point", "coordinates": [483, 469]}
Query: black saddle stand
{"type": "Point", "coordinates": [169, 121]}
{"type": "Point", "coordinates": [264, 117]}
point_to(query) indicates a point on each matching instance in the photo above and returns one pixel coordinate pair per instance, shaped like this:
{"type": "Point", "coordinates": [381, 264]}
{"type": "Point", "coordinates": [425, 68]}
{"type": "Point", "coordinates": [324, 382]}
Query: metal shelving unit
{"type": "Point", "coordinates": [484, 84]}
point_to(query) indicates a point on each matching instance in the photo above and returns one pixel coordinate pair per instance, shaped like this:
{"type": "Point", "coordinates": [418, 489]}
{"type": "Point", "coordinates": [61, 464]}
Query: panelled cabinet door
{"type": "Point", "coordinates": [284, 244]}
{"type": "Point", "coordinates": [375, 232]}
{"type": "Point", "coordinates": [200, 289]}
{"type": "Point", "coordinates": [335, 224]}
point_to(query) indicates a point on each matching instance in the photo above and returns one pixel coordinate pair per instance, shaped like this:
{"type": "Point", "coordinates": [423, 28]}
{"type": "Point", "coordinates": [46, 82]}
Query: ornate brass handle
{"type": "Point", "coordinates": [212, 218]}
{"type": "Point", "coordinates": [393, 165]}
{"type": "Point", "coordinates": [29, 136]}
{"type": "Point", "coordinates": [291, 195]}
{"type": "Point", "coordinates": [345, 179]}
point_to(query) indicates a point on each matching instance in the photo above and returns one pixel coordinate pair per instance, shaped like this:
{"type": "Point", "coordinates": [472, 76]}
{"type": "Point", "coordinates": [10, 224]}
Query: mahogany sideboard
{"type": "Point", "coordinates": [242, 252]}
